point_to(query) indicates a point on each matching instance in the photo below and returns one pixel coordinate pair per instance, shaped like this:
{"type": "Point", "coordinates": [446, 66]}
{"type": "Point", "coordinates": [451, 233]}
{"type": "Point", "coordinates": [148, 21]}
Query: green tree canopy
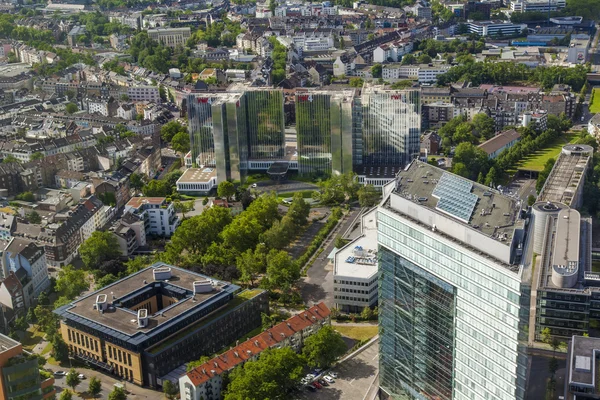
{"type": "Point", "coordinates": [99, 247]}
{"type": "Point", "coordinates": [70, 282]}
{"type": "Point", "coordinates": [271, 377]}
{"type": "Point", "coordinates": [368, 196]}
{"type": "Point", "coordinates": [117, 394]}
{"type": "Point", "coordinates": [170, 129]}
{"type": "Point", "coordinates": [324, 347]}
{"type": "Point", "coordinates": [94, 387]}
{"type": "Point", "coordinates": [181, 142]}
{"type": "Point", "coordinates": [71, 108]}
{"type": "Point", "coordinates": [72, 378]}
{"type": "Point", "coordinates": [226, 189]}
{"type": "Point", "coordinates": [484, 125]}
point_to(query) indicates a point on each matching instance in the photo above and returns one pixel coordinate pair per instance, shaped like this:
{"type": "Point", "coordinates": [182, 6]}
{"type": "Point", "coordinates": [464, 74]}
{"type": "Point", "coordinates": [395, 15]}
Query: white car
{"type": "Point", "coordinates": [310, 377]}
{"type": "Point", "coordinates": [81, 376]}
{"type": "Point", "coordinates": [254, 185]}
{"type": "Point", "coordinates": [328, 379]}
{"type": "Point", "coordinates": [60, 373]}
{"type": "Point", "coordinates": [332, 374]}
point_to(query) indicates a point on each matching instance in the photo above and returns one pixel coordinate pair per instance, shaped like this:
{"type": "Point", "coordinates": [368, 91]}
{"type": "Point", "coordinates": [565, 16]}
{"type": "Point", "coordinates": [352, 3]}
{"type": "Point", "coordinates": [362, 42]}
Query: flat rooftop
{"type": "Point", "coordinates": [347, 263]}
{"type": "Point", "coordinates": [198, 175]}
{"type": "Point", "coordinates": [566, 175]}
{"type": "Point", "coordinates": [121, 318]}
{"type": "Point", "coordinates": [492, 213]}
{"type": "Point", "coordinates": [137, 202]}
{"type": "Point", "coordinates": [566, 240]}
{"type": "Point", "coordinates": [7, 343]}
{"type": "Point", "coordinates": [582, 360]}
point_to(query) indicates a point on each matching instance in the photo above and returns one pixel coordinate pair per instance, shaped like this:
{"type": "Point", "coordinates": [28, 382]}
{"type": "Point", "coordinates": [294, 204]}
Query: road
{"type": "Point", "coordinates": [135, 392]}
{"type": "Point", "coordinates": [538, 376]}
{"type": "Point", "coordinates": [318, 284]}
{"type": "Point", "coordinates": [284, 186]}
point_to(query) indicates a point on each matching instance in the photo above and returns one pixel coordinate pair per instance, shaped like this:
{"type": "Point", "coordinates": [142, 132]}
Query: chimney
{"type": "Point", "coordinates": [204, 286]}
{"type": "Point", "coordinates": [142, 318]}
{"type": "Point", "coordinates": [162, 273]}
{"type": "Point", "coordinates": [101, 303]}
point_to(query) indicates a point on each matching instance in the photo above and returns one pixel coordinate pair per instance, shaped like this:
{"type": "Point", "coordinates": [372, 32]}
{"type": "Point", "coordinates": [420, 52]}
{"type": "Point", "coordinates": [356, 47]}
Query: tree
{"type": "Point", "coordinates": [193, 364]}
{"type": "Point", "coordinates": [376, 70]}
{"type": "Point", "coordinates": [183, 207]}
{"type": "Point", "coordinates": [170, 129]}
{"type": "Point", "coordinates": [340, 242]}
{"type": "Point", "coordinates": [170, 390]}
{"type": "Point", "coordinates": [282, 272]}
{"type": "Point", "coordinates": [70, 283]}
{"type": "Point", "coordinates": [250, 263]}
{"type": "Point", "coordinates": [117, 394]}
{"type": "Point", "coordinates": [34, 218]}
{"type": "Point", "coordinates": [138, 263]}
{"type": "Point", "coordinates": [272, 376]}
{"type": "Point", "coordinates": [10, 159]}
{"type": "Point", "coordinates": [546, 335]}
{"type": "Point", "coordinates": [484, 125]}
{"type": "Point", "coordinates": [530, 200]}
{"type": "Point", "coordinates": [226, 189]}
{"type": "Point", "coordinates": [94, 387]}
{"type": "Point", "coordinates": [38, 155]}
{"type": "Point", "coordinates": [356, 82]}
{"type": "Point", "coordinates": [424, 59]}
{"type": "Point", "coordinates": [299, 210]}
{"type": "Point", "coordinates": [492, 177]}
{"type": "Point", "coordinates": [105, 280]}
{"type": "Point", "coordinates": [20, 323]}
{"type": "Point", "coordinates": [66, 395]}
{"type": "Point", "coordinates": [124, 97]}
{"type": "Point", "coordinates": [181, 142]}
{"type": "Point", "coordinates": [98, 248]}
{"type": "Point", "coordinates": [366, 313]}
{"type": "Point", "coordinates": [136, 181]}
{"type": "Point", "coordinates": [408, 59]}
{"type": "Point", "coordinates": [71, 108]}
{"type": "Point", "coordinates": [324, 347]}
{"type": "Point", "coordinates": [553, 365]}
{"type": "Point", "coordinates": [543, 175]}
{"type": "Point", "coordinates": [157, 188]}
{"type": "Point", "coordinates": [368, 196]}
{"type": "Point", "coordinates": [31, 315]}
{"type": "Point", "coordinates": [72, 379]}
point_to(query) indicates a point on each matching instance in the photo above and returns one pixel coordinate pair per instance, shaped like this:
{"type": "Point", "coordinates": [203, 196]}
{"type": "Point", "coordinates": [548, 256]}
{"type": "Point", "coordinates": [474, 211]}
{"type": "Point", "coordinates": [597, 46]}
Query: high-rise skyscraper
{"type": "Point", "coordinates": [454, 295]}
{"type": "Point", "coordinates": [391, 126]}
{"type": "Point", "coordinates": [324, 131]}
{"type": "Point", "coordinates": [266, 137]}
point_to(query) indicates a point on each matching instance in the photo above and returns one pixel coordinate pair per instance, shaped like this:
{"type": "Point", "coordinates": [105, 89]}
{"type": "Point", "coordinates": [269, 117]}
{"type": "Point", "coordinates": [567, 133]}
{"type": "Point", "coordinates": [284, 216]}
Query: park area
{"type": "Point", "coordinates": [537, 160]}
{"type": "Point", "coordinates": [595, 101]}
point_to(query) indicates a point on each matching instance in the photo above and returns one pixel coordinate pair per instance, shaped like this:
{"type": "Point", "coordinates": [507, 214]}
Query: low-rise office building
{"type": "Point", "coordinates": [197, 181]}
{"type": "Point", "coordinates": [495, 28]}
{"type": "Point", "coordinates": [503, 140]}
{"type": "Point", "coordinates": [148, 324]}
{"type": "Point", "coordinates": [582, 365]}
{"type": "Point", "coordinates": [205, 382]}
{"type": "Point", "coordinates": [355, 269]}
{"type": "Point", "coordinates": [158, 215]}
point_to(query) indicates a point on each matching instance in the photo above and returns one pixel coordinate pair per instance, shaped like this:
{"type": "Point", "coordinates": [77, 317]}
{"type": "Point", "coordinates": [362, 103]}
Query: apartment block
{"type": "Point", "coordinates": [158, 215]}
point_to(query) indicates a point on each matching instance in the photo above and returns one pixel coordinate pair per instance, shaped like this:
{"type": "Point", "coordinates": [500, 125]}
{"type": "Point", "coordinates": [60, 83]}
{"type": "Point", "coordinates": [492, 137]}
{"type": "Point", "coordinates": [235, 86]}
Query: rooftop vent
{"type": "Point", "coordinates": [204, 286]}
{"type": "Point", "coordinates": [162, 273]}
{"type": "Point", "coordinates": [142, 318]}
{"type": "Point", "coordinates": [101, 303]}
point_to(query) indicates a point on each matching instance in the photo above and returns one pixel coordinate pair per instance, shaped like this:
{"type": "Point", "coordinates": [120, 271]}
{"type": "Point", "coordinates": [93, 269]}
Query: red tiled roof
{"type": "Point", "coordinates": [257, 344]}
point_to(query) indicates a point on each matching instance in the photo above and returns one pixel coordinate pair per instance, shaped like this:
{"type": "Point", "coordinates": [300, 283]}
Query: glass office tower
{"type": "Point", "coordinates": [218, 134]}
{"type": "Point", "coordinates": [266, 135]}
{"type": "Point", "coordinates": [324, 127]}
{"type": "Point", "coordinates": [451, 314]}
{"type": "Point", "coordinates": [391, 126]}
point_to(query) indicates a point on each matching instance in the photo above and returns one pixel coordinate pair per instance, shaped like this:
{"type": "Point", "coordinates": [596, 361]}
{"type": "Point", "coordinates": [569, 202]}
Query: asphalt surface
{"type": "Point", "coordinates": [357, 378]}
{"type": "Point", "coordinates": [284, 187]}
{"type": "Point", "coordinates": [539, 375]}
{"type": "Point", "coordinates": [317, 286]}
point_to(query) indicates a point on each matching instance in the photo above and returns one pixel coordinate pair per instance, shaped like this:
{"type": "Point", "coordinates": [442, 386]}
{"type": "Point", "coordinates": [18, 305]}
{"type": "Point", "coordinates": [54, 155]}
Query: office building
{"type": "Point", "coordinates": [197, 181]}
{"type": "Point", "coordinates": [391, 126]}
{"type": "Point", "coordinates": [148, 324]}
{"type": "Point", "coordinates": [158, 215]}
{"type": "Point", "coordinates": [266, 139]}
{"type": "Point", "coordinates": [21, 378]}
{"type": "Point", "coordinates": [495, 28]}
{"type": "Point", "coordinates": [582, 365]}
{"type": "Point", "coordinates": [537, 5]}
{"type": "Point", "coordinates": [324, 129]}
{"type": "Point", "coordinates": [170, 37]}
{"type": "Point", "coordinates": [205, 382]}
{"type": "Point", "coordinates": [355, 269]}
{"type": "Point", "coordinates": [453, 299]}
{"type": "Point", "coordinates": [566, 180]}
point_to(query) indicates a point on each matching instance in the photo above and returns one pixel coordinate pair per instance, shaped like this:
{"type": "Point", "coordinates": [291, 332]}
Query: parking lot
{"type": "Point", "coordinates": [357, 377]}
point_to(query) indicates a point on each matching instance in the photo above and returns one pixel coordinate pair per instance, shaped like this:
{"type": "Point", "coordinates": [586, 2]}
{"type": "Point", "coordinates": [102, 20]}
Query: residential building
{"type": "Point", "coordinates": [453, 298]}
{"type": "Point", "coordinates": [25, 255]}
{"type": "Point", "coordinates": [392, 52]}
{"type": "Point", "coordinates": [503, 140]}
{"type": "Point", "coordinates": [158, 215]}
{"type": "Point", "coordinates": [126, 111]}
{"type": "Point", "coordinates": [495, 28]}
{"type": "Point", "coordinates": [582, 365]}
{"type": "Point", "coordinates": [8, 224]}
{"type": "Point", "coordinates": [537, 5]}
{"type": "Point", "coordinates": [148, 324]}
{"type": "Point", "coordinates": [21, 378]}
{"type": "Point", "coordinates": [430, 73]}
{"type": "Point", "coordinates": [144, 93]}
{"type": "Point", "coordinates": [594, 126]}
{"type": "Point", "coordinates": [206, 381]}
{"type": "Point", "coordinates": [170, 37]}
{"type": "Point", "coordinates": [430, 144]}
{"type": "Point", "coordinates": [355, 272]}
{"type": "Point", "coordinates": [539, 119]}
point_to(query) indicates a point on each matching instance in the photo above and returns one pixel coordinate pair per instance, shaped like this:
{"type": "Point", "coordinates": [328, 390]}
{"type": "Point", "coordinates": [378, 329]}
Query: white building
{"type": "Point", "coordinates": [427, 74]}
{"type": "Point", "coordinates": [159, 215]}
{"type": "Point", "coordinates": [355, 269]}
{"type": "Point", "coordinates": [143, 93]}
{"type": "Point", "coordinates": [396, 71]}
{"type": "Point", "coordinates": [537, 5]}
{"type": "Point", "coordinates": [96, 221]}
{"type": "Point", "coordinates": [197, 180]}
{"type": "Point", "coordinates": [391, 52]}
{"type": "Point", "coordinates": [170, 37]}
{"type": "Point", "coordinates": [495, 28]}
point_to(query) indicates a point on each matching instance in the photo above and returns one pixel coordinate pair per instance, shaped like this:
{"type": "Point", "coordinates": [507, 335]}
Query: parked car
{"type": "Point", "coordinates": [310, 377]}
{"type": "Point", "coordinates": [317, 385]}
{"type": "Point", "coordinates": [328, 379]}
{"type": "Point", "coordinates": [254, 185]}
{"type": "Point", "coordinates": [311, 388]}
{"type": "Point", "coordinates": [81, 376]}
{"type": "Point", "coordinates": [323, 382]}
{"type": "Point", "coordinates": [60, 373]}
{"type": "Point", "coordinates": [332, 374]}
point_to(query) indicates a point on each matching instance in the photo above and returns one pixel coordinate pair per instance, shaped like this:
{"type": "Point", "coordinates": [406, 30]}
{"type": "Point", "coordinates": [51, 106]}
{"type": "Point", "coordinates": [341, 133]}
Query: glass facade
{"type": "Point", "coordinates": [200, 126]}
{"type": "Point", "coordinates": [417, 309]}
{"type": "Point", "coordinates": [391, 126]}
{"type": "Point", "coordinates": [488, 361]}
{"type": "Point", "coordinates": [266, 137]}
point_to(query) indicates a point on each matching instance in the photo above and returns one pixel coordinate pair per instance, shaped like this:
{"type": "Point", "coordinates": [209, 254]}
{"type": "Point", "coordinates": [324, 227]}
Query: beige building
{"type": "Point", "coordinates": [171, 37]}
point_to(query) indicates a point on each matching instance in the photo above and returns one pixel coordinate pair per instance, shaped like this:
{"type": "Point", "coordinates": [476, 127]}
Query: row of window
{"type": "Point", "coordinates": [354, 283]}
{"type": "Point", "coordinates": [118, 355]}
{"type": "Point", "coordinates": [83, 340]}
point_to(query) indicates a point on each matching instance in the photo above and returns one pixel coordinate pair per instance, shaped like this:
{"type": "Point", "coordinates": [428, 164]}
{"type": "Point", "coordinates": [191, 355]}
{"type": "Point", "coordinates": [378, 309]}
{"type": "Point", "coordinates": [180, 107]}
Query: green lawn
{"type": "Point", "coordinates": [32, 337]}
{"type": "Point", "coordinates": [47, 349]}
{"type": "Point", "coordinates": [536, 161]}
{"type": "Point", "coordinates": [365, 332]}
{"type": "Point", "coordinates": [595, 101]}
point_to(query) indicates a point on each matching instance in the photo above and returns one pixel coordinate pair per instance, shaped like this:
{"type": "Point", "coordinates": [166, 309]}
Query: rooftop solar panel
{"type": "Point", "coordinates": [455, 197]}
